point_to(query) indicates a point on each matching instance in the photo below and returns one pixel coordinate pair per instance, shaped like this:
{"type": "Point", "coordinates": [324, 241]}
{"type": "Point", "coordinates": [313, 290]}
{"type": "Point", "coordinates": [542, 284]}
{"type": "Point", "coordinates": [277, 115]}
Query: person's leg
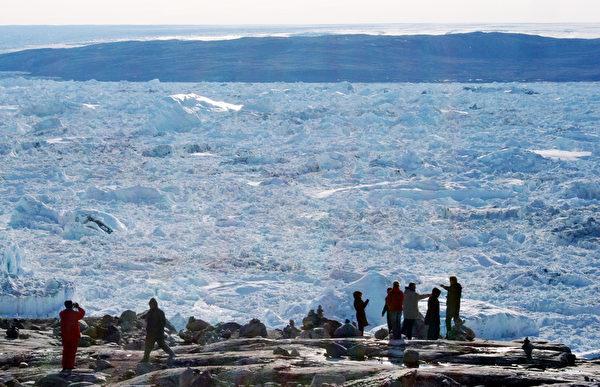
{"type": "Point", "coordinates": [69, 352]}
{"type": "Point", "coordinates": [392, 318]}
{"type": "Point", "coordinates": [165, 347]}
{"type": "Point", "coordinates": [148, 347]}
{"type": "Point", "coordinates": [436, 330]}
{"type": "Point", "coordinates": [448, 324]}
{"type": "Point", "coordinates": [409, 323]}
{"type": "Point", "coordinates": [389, 322]}
{"type": "Point", "coordinates": [398, 325]}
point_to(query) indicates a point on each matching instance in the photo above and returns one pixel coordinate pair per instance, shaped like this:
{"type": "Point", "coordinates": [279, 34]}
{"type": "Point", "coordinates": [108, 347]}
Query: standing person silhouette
{"type": "Point", "coordinates": [155, 331]}
{"type": "Point", "coordinates": [361, 315]}
{"type": "Point", "coordinates": [394, 301]}
{"type": "Point", "coordinates": [452, 303]}
{"type": "Point", "coordinates": [432, 318]}
{"type": "Point", "coordinates": [70, 334]}
{"type": "Point", "coordinates": [384, 311]}
{"type": "Point", "coordinates": [411, 308]}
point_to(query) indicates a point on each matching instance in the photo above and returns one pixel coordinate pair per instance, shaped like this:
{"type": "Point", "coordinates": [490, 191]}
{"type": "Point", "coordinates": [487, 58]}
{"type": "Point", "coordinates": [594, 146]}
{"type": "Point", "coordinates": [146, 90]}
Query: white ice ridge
{"type": "Point", "coordinates": [557, 154]}
{"type": "Point", "coordinates": [488, 321]}
{"type": "Point", "coordinates": [192, 102]}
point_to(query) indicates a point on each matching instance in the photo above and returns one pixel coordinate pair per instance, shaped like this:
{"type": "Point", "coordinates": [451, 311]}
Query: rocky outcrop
{"type": "Point", "coordinates": [351, 361]}
{"type": "Point", "coordinates": [254, 328]}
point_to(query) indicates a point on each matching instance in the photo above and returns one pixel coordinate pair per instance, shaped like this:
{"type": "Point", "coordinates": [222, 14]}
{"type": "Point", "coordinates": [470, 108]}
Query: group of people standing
{"type": "Point", "coordinates": [398, 303]}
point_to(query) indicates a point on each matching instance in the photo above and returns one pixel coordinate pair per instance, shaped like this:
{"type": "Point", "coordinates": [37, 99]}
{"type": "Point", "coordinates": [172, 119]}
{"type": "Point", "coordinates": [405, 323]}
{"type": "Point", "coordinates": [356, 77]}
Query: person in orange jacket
{"type": "Point", "coordinates": [69, 331]}
{"type": "Point", "coordinates": [394, 301]}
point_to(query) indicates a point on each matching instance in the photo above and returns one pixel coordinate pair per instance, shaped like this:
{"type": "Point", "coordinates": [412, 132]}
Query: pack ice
{"type": "Point", "coordinates": [238, 200]}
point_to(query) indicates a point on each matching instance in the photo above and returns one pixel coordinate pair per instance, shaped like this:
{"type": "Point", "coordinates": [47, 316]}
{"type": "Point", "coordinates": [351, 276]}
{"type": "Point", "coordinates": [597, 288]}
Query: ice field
{"type": "Point", "coordinates": [232, 201]}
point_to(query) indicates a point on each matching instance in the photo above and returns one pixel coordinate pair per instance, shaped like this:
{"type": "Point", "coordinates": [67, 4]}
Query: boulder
{"type": "Point", "coordinates": [310, 321]}
{"type": "Point", "coordinates": [12, 332]}
{"type": "Point", "coordinates": [281, 352]}
{"type": "Point", "coordinates": [347, 330]}
{"type": "Point", "coordinates": [23, 365]}
{"type": "Point", "coordinates": [315, 333]}
{"type": "Point", "coordinates": [196, 325]}
{"type": "Point", "coordinates": [357, 352]}
{"type": "Point", "coordinates": [294, 353]}
{"type": "Point", "coordinates": [330, 326]}
{"type": "Point", "coordinates": [83, 326]}
{"type": "Point", "coordinates": [335, 350]}
{"type": "Point", "coordinates": [86, 341]}
{"type": "Point", "coordinates": [253, 329]}
{"type": "Point", "coordinates": [227, 330]}
{"type": "Point", "coordinates": [290, 331]}
{"type": "Point", "coordinates": [128, 320]}
{"type": "Point", "coordinates": [274, 334]}
{"type": "Point", "coordinates": [113, 334]}
{"type": "Point", "coordinates": [461, 332]}
{"type": "Point", "coordinates": [381, 334]}
{"type": "Point", "coordinates": [411, 358]}
{"type": "Point", "coordinates": [91, 332]}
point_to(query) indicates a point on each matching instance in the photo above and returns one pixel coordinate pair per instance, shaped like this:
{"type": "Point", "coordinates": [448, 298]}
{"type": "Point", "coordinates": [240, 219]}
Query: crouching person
{"type": "Point", "coordinates": [155, 331]}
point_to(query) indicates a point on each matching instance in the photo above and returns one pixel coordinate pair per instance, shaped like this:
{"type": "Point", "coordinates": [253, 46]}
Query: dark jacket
{"type": "Point", "coordinates": [453, 298]}
{"type": "Point", "coordinates": [433, 311]}
{"type": "Point", "coordinates": [155, 323]}
{"type": "Point", "coordinates": [361, 316]}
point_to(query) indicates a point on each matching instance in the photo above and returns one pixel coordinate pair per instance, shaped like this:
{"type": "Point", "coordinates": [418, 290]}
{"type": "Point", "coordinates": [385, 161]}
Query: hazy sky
{"type": "Point", "coordinates": [296, 11]}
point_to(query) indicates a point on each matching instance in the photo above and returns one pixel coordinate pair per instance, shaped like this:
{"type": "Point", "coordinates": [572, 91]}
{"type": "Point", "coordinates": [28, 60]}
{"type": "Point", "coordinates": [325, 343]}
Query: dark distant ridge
{"type": "Point", "coordinates": [330, 58]}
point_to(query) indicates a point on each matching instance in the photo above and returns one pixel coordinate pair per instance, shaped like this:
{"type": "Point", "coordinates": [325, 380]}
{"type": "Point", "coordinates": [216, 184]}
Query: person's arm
{"type": "Point", "coordinates": [423, 296]}
{"type": "Point", "coordinates": [81, 312]}
{"type": "Point", "coordinates": [366, 303]}
{"type": "Point", "coordinates": [445, 287]}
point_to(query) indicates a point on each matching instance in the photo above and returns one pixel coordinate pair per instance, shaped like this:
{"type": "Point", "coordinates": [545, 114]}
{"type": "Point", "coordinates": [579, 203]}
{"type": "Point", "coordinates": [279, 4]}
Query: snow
{"type": "Point", "coordinates": [557, 154]}
{"type": "Point", "coordinates": [304, 194]}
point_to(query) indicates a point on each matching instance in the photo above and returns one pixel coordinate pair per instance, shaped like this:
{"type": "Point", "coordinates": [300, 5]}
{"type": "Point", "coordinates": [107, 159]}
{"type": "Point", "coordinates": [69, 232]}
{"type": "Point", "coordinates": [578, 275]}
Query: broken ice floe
{"type": "Point", "coordinates": [32, 213]}
{"type": "Point", "coordinates": [24, 295]}
{"type": "Point", "coordinates": [182, 112]}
